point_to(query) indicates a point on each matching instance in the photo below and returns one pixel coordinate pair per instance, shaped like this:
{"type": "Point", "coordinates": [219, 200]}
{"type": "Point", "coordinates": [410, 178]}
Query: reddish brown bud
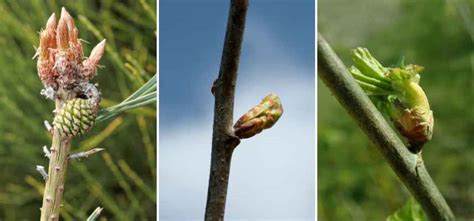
{"type": "Point", "coordinates": [417, 126]}
{"type": "Point", "coordinates": [46, 42]}
{"type": "Point", "coordinates": [90, 64]}
{"type": "Point", "coordinates": [67, 18]}
{"type": "Point", "coordinates": [51, 23]}
{"type": "Point", "coordinates": [260, 117]}
{"type": "Point", "coordinates": [46, 52]}
{"type": "Point", "coordinates": [62, 34]}
{"type": "Point", "coordinates": [47, 38]}
{"type": "Point", "coordinates": [60, 53]}
{"type": "Point", "coordinates": [71, 29]}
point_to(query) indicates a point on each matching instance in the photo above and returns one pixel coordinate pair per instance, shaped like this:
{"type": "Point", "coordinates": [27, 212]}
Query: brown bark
{"type": "Point", "coordinates": [223, 139]}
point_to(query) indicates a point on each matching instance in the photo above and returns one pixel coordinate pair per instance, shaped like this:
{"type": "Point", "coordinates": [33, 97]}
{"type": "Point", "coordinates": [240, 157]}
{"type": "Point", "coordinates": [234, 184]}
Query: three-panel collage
{"type": "Point", "coordinates": [239, 110]}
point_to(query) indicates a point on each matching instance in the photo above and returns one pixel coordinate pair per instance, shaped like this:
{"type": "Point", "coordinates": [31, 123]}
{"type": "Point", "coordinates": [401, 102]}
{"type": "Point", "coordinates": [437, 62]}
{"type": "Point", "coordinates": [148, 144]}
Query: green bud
{"type": "Point", "coordinates": [397, 94]}
{"type": "Point", "coordinates": [76, 117]}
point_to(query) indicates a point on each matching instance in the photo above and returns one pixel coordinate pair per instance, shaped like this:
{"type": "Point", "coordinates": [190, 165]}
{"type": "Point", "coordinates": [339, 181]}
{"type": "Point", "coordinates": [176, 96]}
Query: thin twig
{"type": "Point", "coordinates": [223, 139]}
{"type": "Point", "coordinates": [416, 178]}
{"type": "Point", "coordinates": [85, 154]}
{"type": "Point", "coordinates": [58, 162]}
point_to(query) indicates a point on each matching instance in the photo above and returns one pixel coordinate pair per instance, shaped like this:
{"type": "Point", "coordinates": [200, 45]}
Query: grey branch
{"type": "Point", "coordinates": [43, 172]}
{"type": "Point", "coordinates": [85, 154]}
{"type": "Point", "coordinates": [223, 139]}
{"type": "Point", "coordinates": [417, 179]}
{"type": "Point", "coordinates": [94, 215]}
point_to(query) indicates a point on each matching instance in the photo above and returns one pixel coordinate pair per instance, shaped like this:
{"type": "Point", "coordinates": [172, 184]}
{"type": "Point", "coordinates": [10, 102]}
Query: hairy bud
{"type": "Point", "coordinates": [89, 69]}
{"type": "Point", "coordinates": [60, 54]}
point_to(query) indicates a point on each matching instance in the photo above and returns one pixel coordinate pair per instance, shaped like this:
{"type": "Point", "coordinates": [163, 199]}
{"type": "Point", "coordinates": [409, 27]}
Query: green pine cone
{"type": "Point", "coordinates": [76, 117]}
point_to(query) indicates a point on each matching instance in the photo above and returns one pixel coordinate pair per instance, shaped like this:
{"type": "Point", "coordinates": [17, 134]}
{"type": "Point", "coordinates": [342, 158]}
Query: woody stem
{"type": "Point", "coordinates": [418, 181]}
{"type": "Point", "coordinates": [223, 139]}
{"type": "Point", "coordinates": [58, 162]}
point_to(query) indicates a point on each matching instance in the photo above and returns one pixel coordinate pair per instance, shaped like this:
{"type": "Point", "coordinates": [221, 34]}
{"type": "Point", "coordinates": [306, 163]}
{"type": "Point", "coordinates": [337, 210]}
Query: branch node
{"type": "Point", "coordinates": [213, 87]}
{"type": "Point", "coordinates": [232, 140]}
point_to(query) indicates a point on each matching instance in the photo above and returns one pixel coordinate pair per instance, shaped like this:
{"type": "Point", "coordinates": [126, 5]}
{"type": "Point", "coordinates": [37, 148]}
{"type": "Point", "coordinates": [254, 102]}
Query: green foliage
{"type": "Point", "coordinates": [122, 178]}
{"type": "Point", "coordinates": [143, 96]}
{"type": "Point", "coordinates": [354, 182]}
{"type": "Point", "coordinates": [411, 211]}
{"type": "Point", "coordinates": [95, 214]}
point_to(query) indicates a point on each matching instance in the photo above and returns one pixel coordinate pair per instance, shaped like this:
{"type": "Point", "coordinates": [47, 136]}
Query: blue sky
{"type": "Point", "coordinates": [272, 174]}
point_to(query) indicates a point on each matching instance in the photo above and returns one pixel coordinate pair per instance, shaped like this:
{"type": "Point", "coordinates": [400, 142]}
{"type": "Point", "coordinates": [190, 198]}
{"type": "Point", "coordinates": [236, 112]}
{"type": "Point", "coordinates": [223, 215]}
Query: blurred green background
{"type": "Point", "coordinates": [121, 179]}
{"type": "Point", "coordinates": [354, 182]}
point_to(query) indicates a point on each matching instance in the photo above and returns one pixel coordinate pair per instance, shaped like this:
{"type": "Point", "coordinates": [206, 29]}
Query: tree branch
{"type": "Point", "coordinates": [223, 139]}
{"type": "Point", "coordinates": [412, 173]}
{"type": "Point", "coordinates": [58, 162]}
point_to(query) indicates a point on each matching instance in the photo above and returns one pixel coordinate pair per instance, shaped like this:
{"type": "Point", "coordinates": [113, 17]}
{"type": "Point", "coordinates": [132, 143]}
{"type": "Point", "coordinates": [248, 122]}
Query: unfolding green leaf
{"type": "Point", "coordinates": [411, 211]}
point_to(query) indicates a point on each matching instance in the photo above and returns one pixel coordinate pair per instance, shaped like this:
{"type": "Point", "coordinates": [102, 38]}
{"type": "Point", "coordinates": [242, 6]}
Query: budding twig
{"type": "Point", "coordinates": [85, 154]}
{"type": "Point", "coordinates": [41, 170]}
{"type": "Point", "coordinates": [349, 94]}
{"type": "Point", "coordinates": [65, 76]}
{"type": "Point", "coordinates": [224, 141]}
